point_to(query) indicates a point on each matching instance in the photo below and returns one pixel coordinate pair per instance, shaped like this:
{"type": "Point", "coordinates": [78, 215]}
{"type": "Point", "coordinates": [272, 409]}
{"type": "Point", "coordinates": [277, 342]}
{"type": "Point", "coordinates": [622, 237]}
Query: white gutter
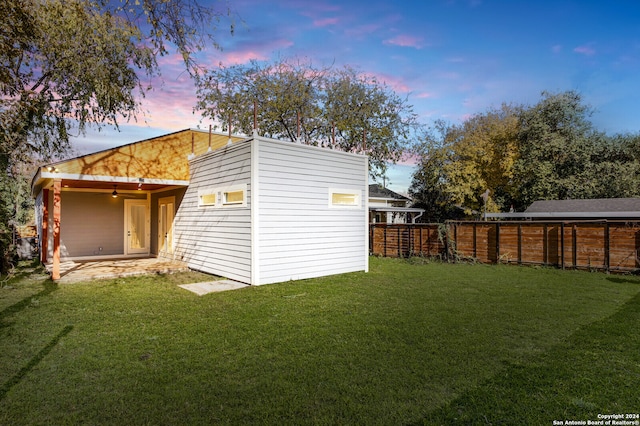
{"type": "Point", "coordinates": [396, 209]}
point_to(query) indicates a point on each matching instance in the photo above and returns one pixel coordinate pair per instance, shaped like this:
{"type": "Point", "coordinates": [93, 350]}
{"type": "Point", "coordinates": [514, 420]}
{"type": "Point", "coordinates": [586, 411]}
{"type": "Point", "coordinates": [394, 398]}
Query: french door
{"type": "Point", "coordinates": [166, 211]}
{"type": "Point", "coordinates": [136, 227]}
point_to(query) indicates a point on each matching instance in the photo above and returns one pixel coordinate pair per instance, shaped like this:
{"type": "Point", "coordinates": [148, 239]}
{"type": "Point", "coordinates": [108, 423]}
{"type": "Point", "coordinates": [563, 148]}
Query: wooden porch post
{"type": "Point", "coordinates": [44, 242]}
{"type": "Point", "coordinates": [55, 273]}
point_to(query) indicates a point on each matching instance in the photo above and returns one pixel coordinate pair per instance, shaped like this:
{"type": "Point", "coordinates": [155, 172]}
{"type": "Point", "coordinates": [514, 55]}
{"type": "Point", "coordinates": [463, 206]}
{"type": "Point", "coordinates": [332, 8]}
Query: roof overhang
{"type": "Point", "coordinates": [44, 179]}
{"type": "Point", "coordinates": [396, 209]}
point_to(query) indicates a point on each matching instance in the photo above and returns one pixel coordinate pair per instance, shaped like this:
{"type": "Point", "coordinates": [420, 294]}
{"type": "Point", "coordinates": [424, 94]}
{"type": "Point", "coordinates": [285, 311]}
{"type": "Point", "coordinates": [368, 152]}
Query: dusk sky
{"type": "Point", "coordinates": [452, 58]}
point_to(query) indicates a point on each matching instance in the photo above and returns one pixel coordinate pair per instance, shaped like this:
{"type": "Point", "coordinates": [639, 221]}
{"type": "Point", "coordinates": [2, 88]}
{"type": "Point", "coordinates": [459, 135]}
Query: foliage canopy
{"type": "Point", "coordinates": [295, 101]}
{"type": "Point", "coordinates": [66, 64]}
{"type": "Point", "coordinates": [520, 154]}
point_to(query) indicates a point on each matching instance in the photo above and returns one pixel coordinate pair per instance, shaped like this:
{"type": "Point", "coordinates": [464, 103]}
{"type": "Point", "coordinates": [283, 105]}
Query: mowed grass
{"type": "Point", "coordinates": [410, 342]}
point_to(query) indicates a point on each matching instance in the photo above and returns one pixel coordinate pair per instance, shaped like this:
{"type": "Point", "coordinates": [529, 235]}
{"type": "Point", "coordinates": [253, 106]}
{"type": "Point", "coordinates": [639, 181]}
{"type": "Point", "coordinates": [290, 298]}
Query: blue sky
{"type": "Point", "coordinates": [452, 58]}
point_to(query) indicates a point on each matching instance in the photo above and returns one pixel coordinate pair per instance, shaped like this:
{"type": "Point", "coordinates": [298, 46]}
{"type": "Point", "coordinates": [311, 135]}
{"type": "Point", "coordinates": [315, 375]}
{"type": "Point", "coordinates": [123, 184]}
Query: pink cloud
{"type": "Point", "coordinates": [170, 105]}
{"type": "Point", "coordinates": [404, 40]}
{"type": "Point", "coordinates": [394, 82]}
{"type": "Point", "coordinates": [236, 58]}
{"type": "Point", "coordinates": [586, 50]}
{"type": "Point", "coordinates": [325, 22]}
{"type": "Point", "coordinates": [425, 95]}
{"type": "Point", "coordinates": [316, 11]}
{"type": "Point", "coordinates": [260, 51]}
{"type": "Point", "coordinates": [174, 59]}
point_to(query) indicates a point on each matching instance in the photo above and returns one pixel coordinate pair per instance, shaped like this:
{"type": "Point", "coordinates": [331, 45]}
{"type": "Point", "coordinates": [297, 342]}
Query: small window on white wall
{"type": "Point", "coordinates": [344, 198]}
{"type": "Point", "coordinates": [230, 196]}
{"type": "Point", "coordinates": [234, 196]}
{"type": "Point", "coordinates": [207, 197]}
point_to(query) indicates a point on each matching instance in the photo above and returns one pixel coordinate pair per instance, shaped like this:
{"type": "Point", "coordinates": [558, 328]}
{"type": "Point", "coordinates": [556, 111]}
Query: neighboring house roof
{"type": "Point", "coordinates": [378, 191]}
{"type": "Point", "coordinates": [601, 208]}
{"type": "Point", "coordinates": [594, 205]}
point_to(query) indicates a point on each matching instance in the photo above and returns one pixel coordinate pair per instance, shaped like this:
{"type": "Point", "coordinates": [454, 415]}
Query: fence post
{"type": "Point", "coordinates": [497, 242]}
{"type": "Point", "coordinates": [475, 244]}
{"type": "Point", "coordinates": [519, 244]}
{"type": "Point", "coordinates": [545, 244]}
{"type": "Point", "coordinates": [562, 243]}
{"type": "Point", "coordinates": [607, 250]}
{"type": "Point", "coordinates": [384, 234]}
{"type": "Point", "coordinates": [455, 239]}
{"type": "Point", "coordinates": [575, 243]}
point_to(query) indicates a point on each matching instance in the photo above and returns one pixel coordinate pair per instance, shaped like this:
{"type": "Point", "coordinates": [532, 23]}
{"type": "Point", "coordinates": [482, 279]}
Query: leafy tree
{"type": "Point", "coordinates": [481, 153]}
{"type": "Point", "coordinates": [295, 101]}
{"type": "Point", "coordinates": [473, 157]}
{"type": "Point", "coordinates": [615, 166]}
{"type": "Point", "coordinates": [428, 191]}
{"type": "Point", "coordinates": [66, 64]}
{"type": "Point", "coordinates": [562, 156]}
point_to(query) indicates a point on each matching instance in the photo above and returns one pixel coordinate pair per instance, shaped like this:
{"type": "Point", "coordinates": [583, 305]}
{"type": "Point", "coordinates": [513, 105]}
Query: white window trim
{"type": "Point", "coordinates": [220, 193]}
{"type": "Point", "coordinates": [349, 191]}
{"type": "Point", "coordinates": [234, 188]}
{"type": "Point", "coordinates": [208, 191]}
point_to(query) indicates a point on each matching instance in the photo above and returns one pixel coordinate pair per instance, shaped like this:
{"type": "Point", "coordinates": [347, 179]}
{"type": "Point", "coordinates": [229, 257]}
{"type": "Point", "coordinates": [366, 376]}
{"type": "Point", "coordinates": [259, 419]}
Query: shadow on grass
{"type": "Point", "coordinates": [49, 287]}
{"type": "Point", "coordinates": [34, 361]}
{"type": "Point", "coordinates": [22, 270]}
{"type": "Point", "coordinates": [592, 372]}
{"type": "Point", "coordinates": [621, 280]}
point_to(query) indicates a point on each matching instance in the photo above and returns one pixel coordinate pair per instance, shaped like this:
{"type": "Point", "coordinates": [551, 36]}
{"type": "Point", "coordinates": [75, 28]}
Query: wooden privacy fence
{"type": "Point", "coordinates": [601, 245]}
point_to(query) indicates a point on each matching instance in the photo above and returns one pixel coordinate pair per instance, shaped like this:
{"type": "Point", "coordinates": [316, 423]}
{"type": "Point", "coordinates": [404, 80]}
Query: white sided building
{"type": "Point", "coordinates": [254, 210]}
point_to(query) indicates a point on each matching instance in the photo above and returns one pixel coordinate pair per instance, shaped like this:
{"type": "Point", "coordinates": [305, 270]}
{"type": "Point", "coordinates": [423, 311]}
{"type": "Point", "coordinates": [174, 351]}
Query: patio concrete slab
{"type": "Point", "coordinates": [213, 286]}
{"type": "Point", "coordinates": [71, 271]}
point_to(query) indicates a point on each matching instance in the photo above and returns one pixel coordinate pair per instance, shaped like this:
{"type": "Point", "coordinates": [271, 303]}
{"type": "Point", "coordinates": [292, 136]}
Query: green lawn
{"type": "Point", "coordinates": [408, 343]}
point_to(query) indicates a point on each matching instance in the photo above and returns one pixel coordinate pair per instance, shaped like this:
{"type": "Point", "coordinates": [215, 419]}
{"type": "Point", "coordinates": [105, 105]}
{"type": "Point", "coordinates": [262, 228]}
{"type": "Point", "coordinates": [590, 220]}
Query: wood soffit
{"type": "Point", "coordinates": [162, 158]}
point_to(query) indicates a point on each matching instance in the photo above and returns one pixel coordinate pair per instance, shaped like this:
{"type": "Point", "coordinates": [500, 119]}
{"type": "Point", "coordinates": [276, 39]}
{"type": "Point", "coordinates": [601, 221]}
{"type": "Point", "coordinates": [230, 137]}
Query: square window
{"type": "Point", "coordinates": [208, 199]}
{"type": "Point", "coordinates": [234, 197]}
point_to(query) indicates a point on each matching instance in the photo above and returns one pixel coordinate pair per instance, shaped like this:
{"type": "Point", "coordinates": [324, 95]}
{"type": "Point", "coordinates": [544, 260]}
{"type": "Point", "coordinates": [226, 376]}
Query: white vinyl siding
{"type": "Point", "coordinates": [217, 240]}
{"type": "Point", "coordinates": [300, 234]}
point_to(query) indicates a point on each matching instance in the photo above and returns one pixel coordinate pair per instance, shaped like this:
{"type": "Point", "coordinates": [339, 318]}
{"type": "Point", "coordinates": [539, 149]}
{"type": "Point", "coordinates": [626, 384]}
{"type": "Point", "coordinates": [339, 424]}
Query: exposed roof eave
{"type": "Point", "coordinates": [396, 209]}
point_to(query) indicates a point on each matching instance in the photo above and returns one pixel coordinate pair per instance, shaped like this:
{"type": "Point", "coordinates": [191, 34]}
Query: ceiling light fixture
{"type": "Point", "coordinates": [114, 194]}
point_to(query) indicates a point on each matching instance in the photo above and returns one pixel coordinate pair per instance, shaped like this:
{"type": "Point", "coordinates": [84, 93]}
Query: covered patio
{"type": "Point", "coordinates": [117, 203]}
{"type": "Point", "coordinates": [76, 271]}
